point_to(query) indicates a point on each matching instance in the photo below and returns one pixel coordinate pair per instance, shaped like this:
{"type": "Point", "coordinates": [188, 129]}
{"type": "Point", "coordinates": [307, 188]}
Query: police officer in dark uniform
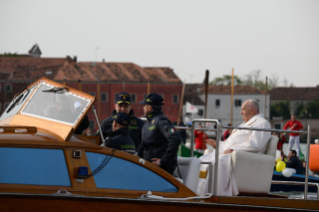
{"type": "Point", "coordinates": [160, 140]}
{"type": "Point", "coordinates": [120, 137]}
{"type": "Point", "coordinates": [123, 104]}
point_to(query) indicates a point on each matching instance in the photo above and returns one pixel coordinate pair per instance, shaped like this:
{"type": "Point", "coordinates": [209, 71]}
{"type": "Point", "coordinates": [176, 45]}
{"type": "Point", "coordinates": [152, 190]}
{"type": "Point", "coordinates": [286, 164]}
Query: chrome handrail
{"type": "Point", "coordinates": [218, 130]}
{"type": "Point", "coordinates": [297, 183]}
{"type": "Point", "coordinates": [217, 146]}
{"type": "Point", "coordinates": [307, 163]}
{"type": "Point", "coordinates": [210, 175]}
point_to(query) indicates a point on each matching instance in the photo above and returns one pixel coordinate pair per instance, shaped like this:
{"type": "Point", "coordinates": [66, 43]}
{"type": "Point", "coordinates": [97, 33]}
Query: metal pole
{"type": "Point", "coordinates": [98, 124]}
{"type": "Point", "coordinates": [216, 150]}
{"type": "Point", "coordinates": [216, 158]}
{"type": "Point", "coordinates": [210, 175]}
{"type": "Point", "coordinates": [192, 138]}
{"type": "Point", "coordinates": [297, 183]}
{"type": "Point", "coordinates": [307, 162]}
{"type": "Point", "coordinates": [266, 98]}
{"type": "Point", "coordinates": [210, 169]}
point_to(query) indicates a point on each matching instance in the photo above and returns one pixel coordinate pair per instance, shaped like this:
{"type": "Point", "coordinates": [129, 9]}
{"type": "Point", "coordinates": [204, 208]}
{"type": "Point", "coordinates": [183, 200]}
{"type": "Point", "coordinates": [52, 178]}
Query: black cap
{"type": "Point", "coordinates": [123, 97]}
{"type": "Point", "coordinates": [122, 119]}
{"type": "Point", "coordinates": [153, 99]}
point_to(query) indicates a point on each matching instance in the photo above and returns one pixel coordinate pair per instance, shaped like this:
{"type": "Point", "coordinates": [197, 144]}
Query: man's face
{"type": "Point", "coordinates": [125, 108]}
{"type": "Point", "coordinates": [293, 118]}
{"type": "Point", "coordinates": [147, 109]}
{"type": "Point", "coordinates": [247, 111]}
{"type": "Point", "coordinates": [290, 154]}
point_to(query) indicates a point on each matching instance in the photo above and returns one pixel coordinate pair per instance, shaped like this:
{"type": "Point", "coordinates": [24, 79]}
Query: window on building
{"type": "Point", "coordinates": [217, 102]}
{"type": "Point", "coordinates": [0, 88]}
{"type": "Point", "coordinates": [103, 97]}
{"type": "Point", "coordinates": [123, 174]}
{"type": "Point", "coordinates": [42, 168]}
{"type": "Point", "coordinates": [133, 98]}
{"type": "Point", "coordinates": [8, 88]}
{"type": "Point", "coordinates": [115, 98]}
{"type": "Point", "coordinates": [92, 124]}
{"type": "Point", "coordinates": [237, 102]}
{"type": "Point", "coordinates": [175, 99]}
{"type": "Point", "coordinates": [92, 93]}
{"type": "Point", "coordinates": [200, 112]}
{"type": "Point", "coordinates": [277, 126]}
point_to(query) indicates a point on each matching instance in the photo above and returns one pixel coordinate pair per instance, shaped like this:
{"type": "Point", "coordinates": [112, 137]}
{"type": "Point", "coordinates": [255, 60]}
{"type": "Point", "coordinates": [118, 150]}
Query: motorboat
{"type": "Point", "coordinates": [44, 166]}
{"type": "Point", "coordinates": [278, 176]}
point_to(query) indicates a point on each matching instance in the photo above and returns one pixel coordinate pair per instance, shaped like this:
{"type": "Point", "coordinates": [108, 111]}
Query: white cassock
{"type": "Point", "coordinates": [239, 140]}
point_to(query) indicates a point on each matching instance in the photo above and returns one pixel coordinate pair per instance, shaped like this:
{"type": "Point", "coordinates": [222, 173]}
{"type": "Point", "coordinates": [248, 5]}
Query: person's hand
{"type": "Point", "coordinates": [156, 161]}
{"type": "Point", "coordinates": [211, 142]}
{"type": "Point", "coordinates": [227, 151]}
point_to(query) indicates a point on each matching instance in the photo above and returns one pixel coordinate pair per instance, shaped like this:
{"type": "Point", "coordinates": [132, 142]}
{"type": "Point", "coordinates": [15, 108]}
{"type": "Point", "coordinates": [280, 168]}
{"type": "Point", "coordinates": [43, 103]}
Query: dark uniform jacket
{"type": "Point", "coordinates": [160, 140]}
{"type": "Point", "coordinates": [295, 163]}
{"type": "Point", "coordinates": [135, 127]}
{"type": "Point", "coordinates": [120, 139]}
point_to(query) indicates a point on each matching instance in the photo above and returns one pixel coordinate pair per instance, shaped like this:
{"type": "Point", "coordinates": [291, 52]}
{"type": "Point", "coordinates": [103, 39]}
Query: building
{"type": "Point", "coordinates": [296, 96]}
{"type": "Point", "coordinates": [100, 79]}
{"type": "Point", "coordinates": [219, 102]}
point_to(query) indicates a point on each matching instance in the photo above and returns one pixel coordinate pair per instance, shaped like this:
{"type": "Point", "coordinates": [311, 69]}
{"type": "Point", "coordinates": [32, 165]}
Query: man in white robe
{"type": "Point", "coordinates": [243, 140]}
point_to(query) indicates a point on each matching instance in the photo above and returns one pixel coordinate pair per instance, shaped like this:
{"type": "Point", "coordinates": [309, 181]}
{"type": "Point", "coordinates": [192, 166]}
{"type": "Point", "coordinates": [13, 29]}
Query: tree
{"type": "Point", "coordinates": [300, 108]}
{"type": "Point", "coordinates": [313, 109]}
{"type": "Point", "coordinates": [226, 80]}
{"type": "Point", "coordinates": [280, 109]}
{"type": "Point", "coordinates": [309, 110]}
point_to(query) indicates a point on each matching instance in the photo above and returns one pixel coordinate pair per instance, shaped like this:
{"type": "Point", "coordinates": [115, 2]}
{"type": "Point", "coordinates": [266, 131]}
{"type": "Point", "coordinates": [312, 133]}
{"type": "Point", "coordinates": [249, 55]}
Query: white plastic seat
{"type": "Point", "coordinates": [253, 171]}
{"type": "Point", "coordinates": [189, 169]}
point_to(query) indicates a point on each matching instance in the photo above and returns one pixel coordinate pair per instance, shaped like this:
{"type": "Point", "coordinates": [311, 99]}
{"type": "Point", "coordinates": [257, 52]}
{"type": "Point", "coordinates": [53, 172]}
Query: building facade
{"type": "Point", "coordinates": [219, 102]}
{"type": "Point", "coordinates": [100, 79]}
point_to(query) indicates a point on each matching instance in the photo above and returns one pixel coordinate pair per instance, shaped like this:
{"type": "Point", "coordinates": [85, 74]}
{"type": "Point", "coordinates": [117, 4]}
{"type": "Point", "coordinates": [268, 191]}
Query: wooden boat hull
{"type": "Point", "coordinates": [48, 203]}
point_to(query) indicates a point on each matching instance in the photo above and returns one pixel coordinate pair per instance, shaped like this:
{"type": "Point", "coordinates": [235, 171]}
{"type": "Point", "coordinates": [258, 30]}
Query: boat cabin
{"type": "Point", "coordinates": [39, 152]}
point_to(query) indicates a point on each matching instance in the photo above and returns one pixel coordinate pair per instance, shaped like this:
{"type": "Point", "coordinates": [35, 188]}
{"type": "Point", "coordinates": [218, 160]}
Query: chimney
{"type": "Point", "coordinates": [103, 60]}
{"type": "Point", "coordinates": [75, 58]}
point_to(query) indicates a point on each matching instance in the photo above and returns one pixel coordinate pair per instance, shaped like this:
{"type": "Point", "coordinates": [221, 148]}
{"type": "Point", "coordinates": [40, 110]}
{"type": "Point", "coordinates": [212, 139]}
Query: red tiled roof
{"type": "Point", "coordinates": [291, 93]}
{"type": "Point", "coordinates": [32, 68]}
{"type": "Point", "coordinates": [191, 93]}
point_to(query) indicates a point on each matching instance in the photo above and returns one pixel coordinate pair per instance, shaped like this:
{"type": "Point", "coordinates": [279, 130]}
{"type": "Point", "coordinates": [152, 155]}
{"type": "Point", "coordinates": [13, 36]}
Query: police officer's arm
{"type": "Point", "coordinates": [170, 133]}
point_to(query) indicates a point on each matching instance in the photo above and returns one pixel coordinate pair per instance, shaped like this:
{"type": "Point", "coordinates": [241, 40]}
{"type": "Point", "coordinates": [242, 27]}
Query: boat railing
{"type": "Point", "coordinates": [297, 183]}
{"type": "Point", "coordinates": [210, 175]}
{"type": "Point", "coordinates": [218, 129]}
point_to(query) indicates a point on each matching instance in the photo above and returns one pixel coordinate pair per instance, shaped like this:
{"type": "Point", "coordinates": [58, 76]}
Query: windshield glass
{"type": "Point", "coordinates": [61, 106]}
{"type": "Point", "coordinates": [16, 103]}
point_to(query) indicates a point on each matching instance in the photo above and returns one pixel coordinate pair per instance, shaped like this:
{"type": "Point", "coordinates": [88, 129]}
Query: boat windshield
{"type": "Point", "coordinates": [16, 104]}
{"type": "Point", "coordinates": [57, 104]}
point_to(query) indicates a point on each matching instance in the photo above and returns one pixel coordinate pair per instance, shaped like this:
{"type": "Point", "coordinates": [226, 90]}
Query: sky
{"type": "Point", "coordinates": [278, 37]}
